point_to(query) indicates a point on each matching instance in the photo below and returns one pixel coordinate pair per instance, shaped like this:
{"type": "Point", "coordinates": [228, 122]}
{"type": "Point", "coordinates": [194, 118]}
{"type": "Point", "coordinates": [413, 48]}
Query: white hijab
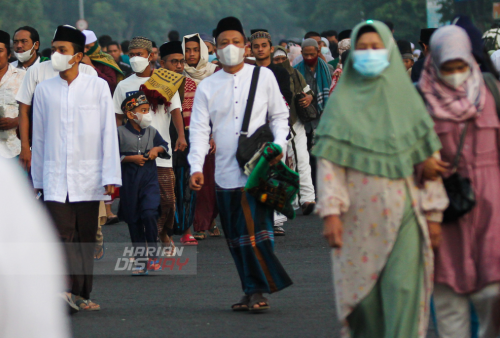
{"type": "Point", "coordinates": [204, 68]}
{"type": "Point", "coordinates": [328, 56]}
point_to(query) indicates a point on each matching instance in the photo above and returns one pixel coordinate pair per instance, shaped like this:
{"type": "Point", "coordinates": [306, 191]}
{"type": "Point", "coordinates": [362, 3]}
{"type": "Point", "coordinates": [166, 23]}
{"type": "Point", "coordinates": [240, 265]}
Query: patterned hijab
{"type": "Point", "coordinates": [378, 126]}
{"type": "Point", "coordinates": [445, 102]}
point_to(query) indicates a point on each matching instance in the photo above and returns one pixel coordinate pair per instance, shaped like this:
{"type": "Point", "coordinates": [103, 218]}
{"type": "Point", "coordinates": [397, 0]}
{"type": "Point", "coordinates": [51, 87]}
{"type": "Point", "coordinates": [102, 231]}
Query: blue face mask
{"type": "Point", "coordinates": [211, 57]}
{"type": "Point", "coordinates": [371, 62]}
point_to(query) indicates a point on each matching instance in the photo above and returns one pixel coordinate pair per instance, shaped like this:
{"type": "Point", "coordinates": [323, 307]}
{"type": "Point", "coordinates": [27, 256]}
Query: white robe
{"type": "Point", "coordinates": [75, 142]}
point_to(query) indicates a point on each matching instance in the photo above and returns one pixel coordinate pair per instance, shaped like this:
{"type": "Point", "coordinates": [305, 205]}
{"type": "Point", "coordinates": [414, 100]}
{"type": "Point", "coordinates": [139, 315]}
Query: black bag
{"type": "Point", "coordinates": [248, 146]}
{"type": "Point", "coordinates": [305, 115]}
{"type": "Point", "coordinates": [459, 189]}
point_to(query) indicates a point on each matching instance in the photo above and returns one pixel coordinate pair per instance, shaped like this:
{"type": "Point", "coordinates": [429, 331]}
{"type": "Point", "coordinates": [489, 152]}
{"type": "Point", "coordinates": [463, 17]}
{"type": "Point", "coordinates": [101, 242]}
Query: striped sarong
{"type": "Point", "coordinates": [248, 227]}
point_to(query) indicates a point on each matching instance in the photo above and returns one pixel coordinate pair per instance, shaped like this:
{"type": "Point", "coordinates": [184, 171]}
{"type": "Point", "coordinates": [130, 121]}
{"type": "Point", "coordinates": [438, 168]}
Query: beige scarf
{"type": "Point", "coordinates": [204, 68]}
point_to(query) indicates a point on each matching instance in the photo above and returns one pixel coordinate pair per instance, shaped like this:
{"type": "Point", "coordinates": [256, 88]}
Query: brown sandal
{"type": "Point", "coordinates": [242, 305]}
{"type": "Point", "coordinates": [258, 299]}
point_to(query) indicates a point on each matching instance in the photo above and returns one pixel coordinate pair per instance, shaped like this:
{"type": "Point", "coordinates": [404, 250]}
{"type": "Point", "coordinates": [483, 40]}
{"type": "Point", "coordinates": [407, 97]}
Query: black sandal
{"type": "Point", "coordinates": [262, 302]}
{"type": "Point", "coordinates": [242, 305]}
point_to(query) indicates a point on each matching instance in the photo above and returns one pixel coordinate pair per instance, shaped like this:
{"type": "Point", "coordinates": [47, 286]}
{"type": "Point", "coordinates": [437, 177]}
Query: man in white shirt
{"type": "Point", "coordinates": [35, 74]}
{"type": "Point", "coordinates": [140, 52]}
{"type": "Point", "coordinates": [76, 160]}
{"type": "Point", "coordinates": [26, 44]}
{"type": "Point", "coordinates": [10, 81]}
{"type": "Point", "coordinates": [248, 224]}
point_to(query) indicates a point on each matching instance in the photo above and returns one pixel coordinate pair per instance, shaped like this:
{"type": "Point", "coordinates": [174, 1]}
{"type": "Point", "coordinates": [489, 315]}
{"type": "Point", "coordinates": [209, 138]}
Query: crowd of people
{"type": "Point", "coordinates": [397, 150]}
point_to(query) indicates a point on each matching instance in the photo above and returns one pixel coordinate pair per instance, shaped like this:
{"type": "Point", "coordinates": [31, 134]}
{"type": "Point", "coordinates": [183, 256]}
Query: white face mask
{"type": "Point", "coordinates": [325, 50]}
{"type": "Point", "coordinates": [231, 55]}
{"type": "Point", "coordinates": [60, 62]}
{"type": "Point", "coordinates": [144, 120]}
{"type": "Point", "coordinates": [139, 63]}
{"type": "Point", "coordinates": [23, 57]}
{"type": "Point", "coordinates": [457, 79]}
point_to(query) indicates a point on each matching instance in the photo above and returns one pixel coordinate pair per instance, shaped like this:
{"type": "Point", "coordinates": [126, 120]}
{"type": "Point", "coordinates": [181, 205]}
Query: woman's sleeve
{"type": "Point", "coordinates": [434, 200]}
{"type": "Point", "coordinates": [333, 197]}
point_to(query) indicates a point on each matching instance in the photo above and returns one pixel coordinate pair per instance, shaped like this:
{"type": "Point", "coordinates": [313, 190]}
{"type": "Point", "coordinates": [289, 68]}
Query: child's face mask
{"type": "Point", "coordinates": [143, 120]}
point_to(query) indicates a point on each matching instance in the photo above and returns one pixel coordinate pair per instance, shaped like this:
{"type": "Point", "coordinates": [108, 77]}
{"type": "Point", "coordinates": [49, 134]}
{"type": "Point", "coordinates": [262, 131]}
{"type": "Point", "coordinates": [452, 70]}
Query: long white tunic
{"type": "Point", "coordinates": [221, 99]}
{"type": "Point", "coordinates": [75, 143]}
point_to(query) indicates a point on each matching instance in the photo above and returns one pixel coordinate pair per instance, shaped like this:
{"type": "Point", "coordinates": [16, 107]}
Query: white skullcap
{"type": "Point", "coordinates": [90, 36]}
{"type": "Point", "coordinates": [279, 52]}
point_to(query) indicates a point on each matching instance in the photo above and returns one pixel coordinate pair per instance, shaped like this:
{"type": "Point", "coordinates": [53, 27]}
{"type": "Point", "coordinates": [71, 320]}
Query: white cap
{"type": "Point", "coordinates": [89, 37]}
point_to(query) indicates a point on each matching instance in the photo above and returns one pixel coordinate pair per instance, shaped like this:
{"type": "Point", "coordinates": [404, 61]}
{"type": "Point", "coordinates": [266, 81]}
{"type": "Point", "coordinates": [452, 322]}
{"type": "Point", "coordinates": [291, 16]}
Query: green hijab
{"type": "Point", "coordinates": [379, 125]}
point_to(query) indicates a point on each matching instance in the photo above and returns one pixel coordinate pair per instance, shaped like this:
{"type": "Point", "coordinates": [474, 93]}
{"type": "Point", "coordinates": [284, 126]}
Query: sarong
{"type": "Point", "coordinates": [166, 179]}
{"type": "Point", "coordinates": [248, 227]}
{"type": "Point", "coordinates": [206, 202]}
{"type": "Point", "coordinates": [186, 200]}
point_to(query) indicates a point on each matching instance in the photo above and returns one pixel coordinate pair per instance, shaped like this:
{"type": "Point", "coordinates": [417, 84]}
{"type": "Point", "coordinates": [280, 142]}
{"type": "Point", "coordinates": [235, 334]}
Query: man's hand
{"type": "Point", "coordinates": [139, 160]}
{"type": "Point", "coordinates": [7, 123]}
{"type": "Point", "coordinates": [276, 160]}
{"type": "Point", "coordinates": [181, 143]}
{"type": "Point", "coordinates": [153, 154]}
{"type": "Point", "coordinates": [213, 147]}
{"type": "Point", "coordinates": [433, 168]}
{"type": "Point", "coordinates": [25, 158]}
{"type": "Point", "coordinates": [435, 234]}
{"type": "Point", "coordinates": [305, 101]}
{"type": "Point", "coordinates": [333, 230]}
{"type": "Point", "coordinates": [110, 189]}
{"type": "Point", "coordinates": [196, 181]}
{"type": "Point", "coordinates": [87, 61]}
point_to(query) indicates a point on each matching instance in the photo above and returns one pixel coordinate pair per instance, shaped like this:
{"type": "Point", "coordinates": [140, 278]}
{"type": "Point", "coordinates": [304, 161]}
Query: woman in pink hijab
{"type": "Point", "coordinates": [467, 262]}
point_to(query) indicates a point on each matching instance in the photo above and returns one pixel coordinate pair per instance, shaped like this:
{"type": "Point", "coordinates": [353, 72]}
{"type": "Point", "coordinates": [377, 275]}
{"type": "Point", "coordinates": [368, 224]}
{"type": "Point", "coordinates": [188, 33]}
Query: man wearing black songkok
{"type": "Point", "coordinates": [425, 38]}
{"type": "Point", "coordinates": [76, 162]}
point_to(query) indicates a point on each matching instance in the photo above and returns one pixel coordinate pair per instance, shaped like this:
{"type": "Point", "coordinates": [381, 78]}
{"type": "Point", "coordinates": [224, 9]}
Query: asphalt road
{"type": "Point", "coordinates": [199, 305]}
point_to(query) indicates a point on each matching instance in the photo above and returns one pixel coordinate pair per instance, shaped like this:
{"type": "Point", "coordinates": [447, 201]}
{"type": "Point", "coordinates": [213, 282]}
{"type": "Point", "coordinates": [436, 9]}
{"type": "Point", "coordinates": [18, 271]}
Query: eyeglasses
{"type": "Point", "coordinates": [176, 62]}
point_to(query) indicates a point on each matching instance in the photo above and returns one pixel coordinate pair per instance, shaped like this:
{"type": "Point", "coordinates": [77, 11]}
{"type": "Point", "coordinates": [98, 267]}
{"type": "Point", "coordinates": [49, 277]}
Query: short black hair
{"type": "Point", "coordinates": [311, 34]}
{"type": "Point", "coordinates": [329, 33]}
{"type": "Point", "coordinates": [77, 48]}
{"type": "Point", "coordinates": [47, 52]}
{"type": "Point", "coordinates": [34, 36]}
{"type": "Point", "coordinates": [154, 44]}
{"type": "Point", "coordinates": [344, 57]}
{"type": "Point", "coordinates": [114, 43]}
{"type": "Point", "coordinates": [104, 40]}
{"type": "Point", "coordinates": [390, 25]}
{"type": "Point", "coordinates": [173, 36]}
{"type": "Point", "coordinates": [366, 29]}
{"type": "Point", "coordinates": [124, 45]}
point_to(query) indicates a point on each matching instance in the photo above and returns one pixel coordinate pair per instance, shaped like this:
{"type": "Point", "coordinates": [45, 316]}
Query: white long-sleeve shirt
{"type": "Point", "coordinates": [75, 144]}
{"type": "Point", "coordinates": [221, 98]}
{"type": "Point", "coordinates": [41, 72]}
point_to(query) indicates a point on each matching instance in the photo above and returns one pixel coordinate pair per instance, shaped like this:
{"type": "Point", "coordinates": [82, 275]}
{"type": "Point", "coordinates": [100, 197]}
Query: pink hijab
{"type": "Point", "coordinates": [445, 102]}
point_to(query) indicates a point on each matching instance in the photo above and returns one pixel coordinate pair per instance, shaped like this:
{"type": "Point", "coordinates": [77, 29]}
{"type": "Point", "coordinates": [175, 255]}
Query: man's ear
{"type": "Point", "coordinates": [272, 49]}
{"type": "Point", "coordinates": [162, 63]}
{"type": "Point", "coordinates": [78, 57]}
{"type": "Point", "coordinates": [37, 45]}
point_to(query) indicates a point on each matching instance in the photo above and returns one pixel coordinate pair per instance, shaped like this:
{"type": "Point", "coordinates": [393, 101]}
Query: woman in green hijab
{"type": "Point", "coordinates": [373, 132]}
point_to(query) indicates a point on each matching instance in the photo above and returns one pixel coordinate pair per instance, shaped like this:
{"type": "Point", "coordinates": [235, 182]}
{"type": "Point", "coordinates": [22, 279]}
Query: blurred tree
{"type": "Point", "coordinates": [480, 11]}
{"type": "Point", "coordinates": [15, 14]}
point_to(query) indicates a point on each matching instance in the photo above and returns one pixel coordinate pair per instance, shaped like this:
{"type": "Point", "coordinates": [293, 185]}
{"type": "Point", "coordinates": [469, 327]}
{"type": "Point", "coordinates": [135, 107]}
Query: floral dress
{"type": "Point", "coordinates": [371, 209]}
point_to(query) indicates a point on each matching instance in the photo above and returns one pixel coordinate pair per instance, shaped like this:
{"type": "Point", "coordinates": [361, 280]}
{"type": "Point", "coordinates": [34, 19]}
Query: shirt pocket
{"type": "Point", "coordinates": [90, 177]}
{"type": "Point", "coordinates": [84, 115]}
{"type": "Point", "coordinates": [486, 136]}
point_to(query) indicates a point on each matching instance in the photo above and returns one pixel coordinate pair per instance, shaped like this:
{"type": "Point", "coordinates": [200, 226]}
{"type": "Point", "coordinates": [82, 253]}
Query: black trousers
{"type": "Point", "coordinates": [77, 226]}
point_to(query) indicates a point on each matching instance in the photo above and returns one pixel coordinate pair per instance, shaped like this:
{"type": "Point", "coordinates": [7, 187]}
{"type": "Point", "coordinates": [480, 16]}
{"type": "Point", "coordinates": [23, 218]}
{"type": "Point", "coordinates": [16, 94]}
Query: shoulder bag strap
{"type": "Point", "coordinates": [456, 161]}
{"type": "Point", "coordinates": [251, 98]}
{"type": "Point", "coordinates": [491, 83]}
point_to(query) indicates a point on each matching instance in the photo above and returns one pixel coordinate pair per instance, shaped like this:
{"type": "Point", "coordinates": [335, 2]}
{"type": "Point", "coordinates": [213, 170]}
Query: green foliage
{"type": "Point", "coordinates": [480, 11]}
